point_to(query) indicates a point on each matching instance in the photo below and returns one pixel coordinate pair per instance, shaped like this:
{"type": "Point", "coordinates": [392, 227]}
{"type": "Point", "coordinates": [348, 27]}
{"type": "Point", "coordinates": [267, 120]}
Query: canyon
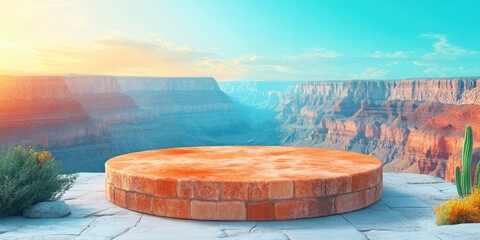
{"type": "Point", "coordinates": [412, 125]}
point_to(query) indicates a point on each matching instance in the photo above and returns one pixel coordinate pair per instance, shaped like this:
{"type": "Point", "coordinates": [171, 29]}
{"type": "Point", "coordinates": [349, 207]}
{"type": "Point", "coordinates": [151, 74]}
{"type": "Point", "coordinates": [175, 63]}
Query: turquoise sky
{"type": "Point", "coordinates": [244, 39]}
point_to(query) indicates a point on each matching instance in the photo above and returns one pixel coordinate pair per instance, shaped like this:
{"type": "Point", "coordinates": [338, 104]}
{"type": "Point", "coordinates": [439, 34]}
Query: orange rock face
{"type": "Point", "coordinates": [27, 101]}
{"type": "Point", "coordinates": [243, 183]}
{"type": "Point", "coordinates": [436, 147]}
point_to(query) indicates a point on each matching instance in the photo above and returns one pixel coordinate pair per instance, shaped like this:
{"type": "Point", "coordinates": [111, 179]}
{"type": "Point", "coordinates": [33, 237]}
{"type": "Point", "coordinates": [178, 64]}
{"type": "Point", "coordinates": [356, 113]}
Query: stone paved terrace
{"type": "Point", "coordinates": [404, 212]}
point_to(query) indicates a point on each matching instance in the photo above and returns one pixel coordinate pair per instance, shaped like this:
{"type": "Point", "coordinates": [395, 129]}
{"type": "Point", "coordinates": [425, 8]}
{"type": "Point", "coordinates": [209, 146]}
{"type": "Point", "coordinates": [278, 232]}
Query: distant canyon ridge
{"type": "Point", "coordinates": [412, 125]}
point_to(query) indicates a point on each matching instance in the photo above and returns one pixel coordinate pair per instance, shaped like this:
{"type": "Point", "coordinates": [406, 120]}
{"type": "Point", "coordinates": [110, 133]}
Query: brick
{"type": "Point", "coordinates": [158, 206]}
{"type": "Point", "coordinates": [139, 202]}
{"type": "Point", "coordinates": [362, 199]}
{"type": "Point", "coordinates": [378, 175]}
{"type": "Point", "coordinates": [317, 207]}
{"type": "Point", "coordinates": [319, 187]}
{"type": "Point", "coordinates": [140, 184]}
{"type": "Point", "coordinates": [184, 188]}
{"type": "Point", "coordinates": [120, 198]}
{"type": "Point", "coordinates": [117, 179]}
{"type": "Point", "coordinates": [131, 201]}
{"type": "Point", "coordinates": [378, 191]}
{"type": "Point", "coordinates": [108, 175]}
{"type": "Point", "coordinates": [370, 199]}
{"type": "Point", "coordinates": [203, 210]}
{"type": "Point", "coordinates": [290, 209]}
{"type": "Point", "coordinates": [258, 191]}
{"type": "Point", "coordinates": [359, 181]}
{"type": "Point", "coordinates": [144, 203]}
{"type": "Point", "coordinates": [260, 211]}
{"type": "Point", "coordinates": [234, 191]}
{"type": "Point", "coordinates": [110, 192]}
{"type": "Point", "coordinates": [125, 182]}
{"type": "Point", "coordinates": [232, 210]}
{"type": "Point", "coordinates": [178, 208]}
{"type": "Point", "coordinates": [206, 190]}
{"type": "Point", "coordinates": [364, 180]}
{"type": "Point", "coordinates": [347, 202]}
{"type": "Point", "coordinates": [280, 189]}
{"type": "Point", "coordinates": [165, 187]}
{"type": "Point", "coordinates": [303, 188]}
{"type": "Point", "coordinates": [338, 185]}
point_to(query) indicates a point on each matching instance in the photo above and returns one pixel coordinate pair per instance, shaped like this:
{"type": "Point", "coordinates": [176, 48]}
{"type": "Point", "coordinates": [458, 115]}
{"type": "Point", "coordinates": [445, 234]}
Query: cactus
{"type": "Point", "coordinates": [477, 171]}
{"type": "Point", "coordinates": [463, 179]}
{"type": "Point", "coordinates": [458, 181]}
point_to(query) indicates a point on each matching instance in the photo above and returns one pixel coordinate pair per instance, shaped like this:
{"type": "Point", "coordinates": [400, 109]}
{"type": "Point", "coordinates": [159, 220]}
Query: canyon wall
{"type": "Point", "coordinates": [85, 120]}
{"type": "Point", "coordinates": [412, 125]}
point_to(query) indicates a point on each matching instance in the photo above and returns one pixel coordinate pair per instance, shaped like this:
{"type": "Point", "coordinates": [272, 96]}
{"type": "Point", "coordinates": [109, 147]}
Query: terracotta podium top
{"type": "Point", "coordinates": [244, 163]}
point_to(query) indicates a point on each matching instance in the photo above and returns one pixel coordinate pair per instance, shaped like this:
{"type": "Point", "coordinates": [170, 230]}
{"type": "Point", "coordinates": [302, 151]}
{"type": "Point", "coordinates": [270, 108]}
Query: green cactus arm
{"type": "Point", "coordinates": [477, 172]}
{"type": "Point", "coordinates": [467, 160]}
{"type": "Point", "coordinates": [458, 181]}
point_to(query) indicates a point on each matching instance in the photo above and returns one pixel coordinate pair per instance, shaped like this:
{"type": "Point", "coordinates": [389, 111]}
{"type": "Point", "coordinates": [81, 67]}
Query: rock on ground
{"type": "Point", "coordinates": [404, 212]}
{"type": "Point", "coordinates": [54, 209]}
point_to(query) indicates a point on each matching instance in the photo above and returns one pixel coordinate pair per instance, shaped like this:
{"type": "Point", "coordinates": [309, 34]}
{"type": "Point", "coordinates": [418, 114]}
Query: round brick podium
{"type": "Point", "coordinates": [244, 182]}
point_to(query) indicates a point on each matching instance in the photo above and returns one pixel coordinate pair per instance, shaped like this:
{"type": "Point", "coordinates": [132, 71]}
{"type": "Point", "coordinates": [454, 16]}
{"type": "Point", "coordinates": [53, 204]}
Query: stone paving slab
{"type": "Point", "coordinates": [404, 212]}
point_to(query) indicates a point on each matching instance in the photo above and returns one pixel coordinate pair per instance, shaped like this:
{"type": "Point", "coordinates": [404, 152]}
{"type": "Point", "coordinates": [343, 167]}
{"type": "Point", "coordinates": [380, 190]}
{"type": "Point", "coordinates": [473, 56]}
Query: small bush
{"type": "Point", "coordinates": [28, 177]}
{"type": "Point", "coordinates": [459, 210]}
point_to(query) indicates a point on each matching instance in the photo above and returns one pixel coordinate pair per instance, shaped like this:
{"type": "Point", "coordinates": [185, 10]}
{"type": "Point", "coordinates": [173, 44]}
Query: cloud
{"type": "Point", "coordinates": [443, 48]}
{"type": "Point", "coordinates": [449, 71]}
{"type": "Point", "coordinates": [432, 71]}
{"type": "Point", "coordinates": [315, 53]}
{"type": "Point", "coordinates": [308, 65]}
{"type": "Point", "coordinates": [153, 55]}
{"type": "Point", "coordinates": [420, 63]}
{"type": "Point", "coordinates": [135, 57]}
{"type": "Point", "coordinates": [369, 73]}
{"type": "Point", "coordinates": [394, 55]}
{"type": "Point", "coordinates": [284, 69]}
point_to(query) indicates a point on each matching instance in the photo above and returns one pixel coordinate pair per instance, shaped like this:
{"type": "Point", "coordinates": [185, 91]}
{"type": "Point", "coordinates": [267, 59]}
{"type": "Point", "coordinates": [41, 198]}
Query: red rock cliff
{"type": "Point", "coordinates": [413, 125]}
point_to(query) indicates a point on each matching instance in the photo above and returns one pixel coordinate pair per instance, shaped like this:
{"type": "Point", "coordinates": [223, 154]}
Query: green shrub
{"type": "Point", "coordinates": [27, 177]}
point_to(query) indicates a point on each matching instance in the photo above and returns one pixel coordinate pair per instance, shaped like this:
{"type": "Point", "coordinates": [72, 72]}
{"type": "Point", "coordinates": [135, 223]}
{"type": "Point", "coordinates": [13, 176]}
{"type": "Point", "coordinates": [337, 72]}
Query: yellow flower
{"type": "Point", "coordinates": [459, 210]}
{"type": "Point", "coordinates": [44, 156]}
